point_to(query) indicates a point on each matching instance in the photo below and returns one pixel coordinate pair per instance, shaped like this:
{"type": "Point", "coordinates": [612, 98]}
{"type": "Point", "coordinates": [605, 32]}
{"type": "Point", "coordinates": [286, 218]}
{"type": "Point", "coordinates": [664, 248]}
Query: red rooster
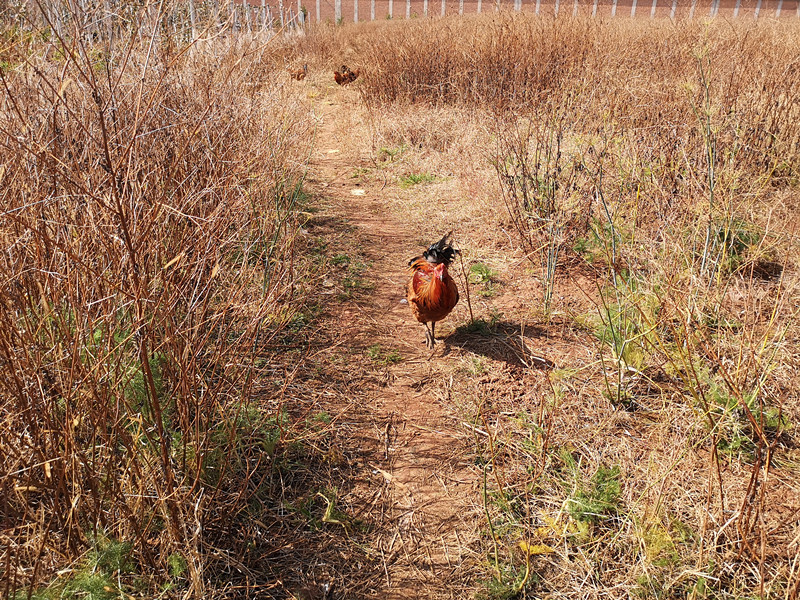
{"type": "Point", "coordinates": [345, 76]}
{"type": "Point", "coordinates": [431, 292]}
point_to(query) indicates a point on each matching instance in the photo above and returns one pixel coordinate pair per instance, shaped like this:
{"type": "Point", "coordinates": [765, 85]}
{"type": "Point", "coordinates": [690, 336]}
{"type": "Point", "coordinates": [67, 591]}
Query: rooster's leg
{"type": "Point", "coordinates": [429, 341]}
{"type": "Point", "coordinates": [433, 337]}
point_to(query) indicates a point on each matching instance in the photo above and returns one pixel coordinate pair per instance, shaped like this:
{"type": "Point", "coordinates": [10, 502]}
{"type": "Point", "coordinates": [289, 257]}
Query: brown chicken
{"type": "Point", "coordinates": [351, 76]}
{"type": "Point", "coordinates": [300, 74]}
{"type": "Point", "coordinates": [345, 75]}
{"type": "Point", "coordinates": [431, 292]}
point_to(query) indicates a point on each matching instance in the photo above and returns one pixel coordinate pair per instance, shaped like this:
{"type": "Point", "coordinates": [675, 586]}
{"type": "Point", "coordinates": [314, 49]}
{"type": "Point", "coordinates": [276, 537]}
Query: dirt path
{"type": "Point", "coordinates": [419, 464]}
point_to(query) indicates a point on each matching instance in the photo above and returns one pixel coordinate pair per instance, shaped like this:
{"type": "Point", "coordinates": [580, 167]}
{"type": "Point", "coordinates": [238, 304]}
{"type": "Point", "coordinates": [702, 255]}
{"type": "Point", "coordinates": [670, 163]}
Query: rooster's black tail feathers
{"type": "Point", "coordinates": [441, 251]}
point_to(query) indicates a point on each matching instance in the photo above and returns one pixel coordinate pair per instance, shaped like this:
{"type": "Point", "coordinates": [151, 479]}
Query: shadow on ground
{"type": "Point", "coordinates": [502, 341]}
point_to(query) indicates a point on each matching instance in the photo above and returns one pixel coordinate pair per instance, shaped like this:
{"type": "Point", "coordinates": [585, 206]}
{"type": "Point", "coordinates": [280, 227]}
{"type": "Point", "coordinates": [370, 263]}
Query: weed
{"type": "Point", "coordinates": [97, 578]}
{"type": "Point", "coordinates": [360, 173]}
{"type": "Point", "coordinates": [507, 586]}
{"type": "Point", "coordinates": [353, 282]}
{"type": "Point", "coordinates": [341, 260]}
{"type": "Point", "coordinates": [412, 179]}
{"type": "Point", "coordinates": [177, 565]}
{"type": "Point", "coordinates": [300, 320]}
{"type": "Point", "coordinates": [476, 366]}
{"type": "Point", "coordinates": [738, 425]}
{"type": "Point", "coordinates": [599, 499]}
{"type": "Point", "coordinates": [331, 514]}
{"type": "Point", "coordinates": [383, 357]}
{"type": "Point", "coordinates": [387, 154]}
{"type": "Point", "coordinates": [480, 274]}
{"type": "Point", "coordinates": [321, 418]}
{"type": "Point", "coordinates": [539, 182]}
{"type": "Point", "coordinates": [110, 556]}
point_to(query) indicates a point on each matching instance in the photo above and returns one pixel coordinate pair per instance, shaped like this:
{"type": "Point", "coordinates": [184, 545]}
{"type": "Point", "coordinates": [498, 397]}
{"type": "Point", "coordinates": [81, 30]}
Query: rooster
{"type": "Point", "coordinates": [431, 292]}
{"type": "Point", "coordinates": [338, 77]}
{"type": "Point", "coordinates": [351, 76]}
{"type": "Point", "coordinates": [345, 75]}
{"type": "Point", "coordinates": [300, 74]}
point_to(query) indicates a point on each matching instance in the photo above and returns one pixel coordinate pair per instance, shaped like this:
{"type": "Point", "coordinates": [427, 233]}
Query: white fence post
{"type": "Point", "coordinates": [674, 9]}
{"type": "Point", "coordinates": [337, 11]}
{"type": "Point", "coordinates": [355, 11]}
{"type": "Point", "coordinates": [778, 10]}
{"type": "Point", "coordinates": [408, 9]}
{"type": "Point", "coordinates": [372, 10]}
{"type": "Point", "coordinates": [614, 9]}
{"type": "Point", "coordinates": [758, 10]}
{"type": "Point", "coordinates": [633, 8]}
{"type": "Point", "coordinates": [691, 10]}
{"type": "Point", "coordinates": [555, 10]}
{"type": "Point", "coordinates": [461, 6]}
{"type": "Point", "coordinates": [444, 4]}
{"type": "Point", "coordinates": [736, 8]}
{"type": "Point", "coordinates": [575, 9]}
{"type": "Point", "coordinates": [594, 9]}
{"type": "Point", "coordinates": [653, 10]}
{"type": "Point", "coordinates": [479, 6]}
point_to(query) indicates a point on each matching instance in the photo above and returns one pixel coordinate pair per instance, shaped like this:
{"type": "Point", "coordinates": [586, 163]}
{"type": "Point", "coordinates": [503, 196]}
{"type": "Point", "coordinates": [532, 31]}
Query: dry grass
{"type": "Point", "coordinates": [636, 212]}
{"type": "Point", "coordinates": [653, 193]}
{"type": "Point", "coordinates": [151, 307]}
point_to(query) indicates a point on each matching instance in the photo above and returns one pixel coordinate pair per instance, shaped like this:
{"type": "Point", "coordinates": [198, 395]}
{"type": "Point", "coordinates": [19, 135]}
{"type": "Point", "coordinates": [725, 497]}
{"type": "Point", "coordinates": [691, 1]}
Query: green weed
{"type": "Point", "coordinates": [340, 260]}
{"type": "Point", "coordinates": [97, 578]}
{"type": "Point", "coordinates": [177, 565]}
{"type": "Point", "coordinates": [383, 357]}
{"type": "Point", "coordinates": [737, 434]}
{"type": "Point", "coordinates": [480, 274]}
{"type": "Point", "coordinates": [389, 154]}
{"type": "Point", "coordinates": [597, 500]}
{"type": "Point", "coordinates": [412, 179]}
